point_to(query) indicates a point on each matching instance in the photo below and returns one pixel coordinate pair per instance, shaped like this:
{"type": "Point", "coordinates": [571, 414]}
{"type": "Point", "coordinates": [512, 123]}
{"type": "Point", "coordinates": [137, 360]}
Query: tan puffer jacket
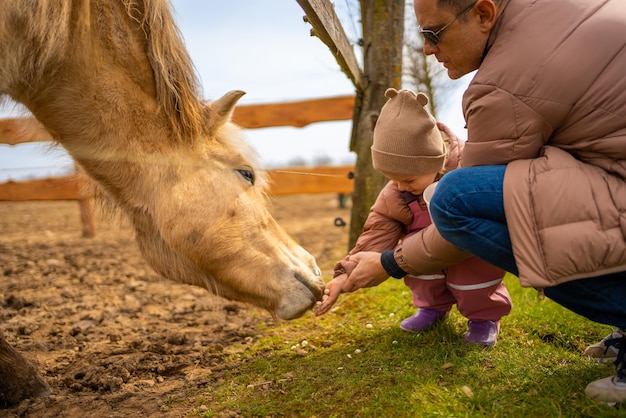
{"type": "Point", "coordinates": [550, 99]}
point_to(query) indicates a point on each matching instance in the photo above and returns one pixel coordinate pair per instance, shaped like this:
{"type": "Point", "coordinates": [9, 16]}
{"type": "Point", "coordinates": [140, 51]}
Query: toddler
{"type": "Point", "coordinates": [409, 149]}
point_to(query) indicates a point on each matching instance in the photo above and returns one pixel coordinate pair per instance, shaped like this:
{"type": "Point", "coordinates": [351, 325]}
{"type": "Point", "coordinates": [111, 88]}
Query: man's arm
{"type": "Point", "coordinates": [425, 252]}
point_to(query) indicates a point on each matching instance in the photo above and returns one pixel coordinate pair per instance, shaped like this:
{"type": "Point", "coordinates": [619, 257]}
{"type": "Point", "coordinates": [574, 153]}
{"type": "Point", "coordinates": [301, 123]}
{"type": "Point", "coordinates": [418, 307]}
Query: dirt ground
{"type": "Point", "coordinates": [110, 337]}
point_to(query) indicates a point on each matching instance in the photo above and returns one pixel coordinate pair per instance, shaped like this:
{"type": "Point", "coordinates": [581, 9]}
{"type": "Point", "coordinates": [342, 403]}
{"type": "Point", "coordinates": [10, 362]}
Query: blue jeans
{"type": "Point", "coordinates": [468, 210]}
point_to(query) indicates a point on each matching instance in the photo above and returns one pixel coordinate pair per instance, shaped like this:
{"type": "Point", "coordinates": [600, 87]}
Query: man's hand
{"type": "Point", "coordinates": [369, 272]}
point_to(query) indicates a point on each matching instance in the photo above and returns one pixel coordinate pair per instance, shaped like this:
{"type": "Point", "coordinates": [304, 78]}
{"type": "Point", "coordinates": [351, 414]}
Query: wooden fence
{"type": "Point", "coordinates": [291, 180]}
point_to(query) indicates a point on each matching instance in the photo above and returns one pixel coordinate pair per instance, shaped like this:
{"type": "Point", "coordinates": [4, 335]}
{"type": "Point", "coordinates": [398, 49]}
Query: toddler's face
{"type": "Point", "coordinates": [412, 184]}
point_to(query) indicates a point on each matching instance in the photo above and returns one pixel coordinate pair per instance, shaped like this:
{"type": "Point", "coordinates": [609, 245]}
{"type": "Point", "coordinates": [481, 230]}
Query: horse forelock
{"type": "Point", "coordinates": [177, 87]}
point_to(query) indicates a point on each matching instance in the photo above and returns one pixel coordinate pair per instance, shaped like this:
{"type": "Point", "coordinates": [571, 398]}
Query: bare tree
{"type": "Point", "coordinates": [322, 160]}
{"type": "Point", "coordinates": [383, 29]}
{"type": "Point", "coordinates": [382, 24]}
{"type": "Point", "coordinates": [418, 72]}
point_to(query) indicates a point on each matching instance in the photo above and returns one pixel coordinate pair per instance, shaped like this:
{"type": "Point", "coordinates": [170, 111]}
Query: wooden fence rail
{"type": "Point", "coordinates": [291, 180]}
{"type": "Point", "coordinates": [298, 114]}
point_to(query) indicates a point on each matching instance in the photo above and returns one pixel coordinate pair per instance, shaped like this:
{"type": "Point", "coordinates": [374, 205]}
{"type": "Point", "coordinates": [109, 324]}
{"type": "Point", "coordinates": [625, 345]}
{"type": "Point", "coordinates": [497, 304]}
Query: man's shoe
{"type": "Point", "coordinates": [484, 333]}
{"type": "Point", "coordinates": [424, 319]}
{"type": "Point", "coordinates": [603, 353]}
{"type": "Point", "coordinates": [609, 389]}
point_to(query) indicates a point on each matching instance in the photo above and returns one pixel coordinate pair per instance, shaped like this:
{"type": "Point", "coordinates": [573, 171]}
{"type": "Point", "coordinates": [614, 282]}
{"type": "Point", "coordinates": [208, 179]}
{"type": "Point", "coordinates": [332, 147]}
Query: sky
{"type": "Point", "coordinates": [265, 49]}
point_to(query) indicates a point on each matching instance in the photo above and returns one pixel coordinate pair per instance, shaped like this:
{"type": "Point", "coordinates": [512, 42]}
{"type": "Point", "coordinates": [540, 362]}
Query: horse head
{"type": "Point", "coordinates": [211, 226]}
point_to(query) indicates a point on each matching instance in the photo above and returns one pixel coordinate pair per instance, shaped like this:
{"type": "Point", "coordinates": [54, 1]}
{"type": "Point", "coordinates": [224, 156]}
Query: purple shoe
{"type": "Point", "coordinates": [484, 333]}
{"type": "Point", "coordinates": [422, 320]}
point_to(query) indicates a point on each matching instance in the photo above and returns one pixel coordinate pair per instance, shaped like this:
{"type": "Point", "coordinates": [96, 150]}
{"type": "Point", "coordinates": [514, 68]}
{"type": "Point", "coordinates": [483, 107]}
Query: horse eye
{"type": "Point", "coordinates": [248, 175]}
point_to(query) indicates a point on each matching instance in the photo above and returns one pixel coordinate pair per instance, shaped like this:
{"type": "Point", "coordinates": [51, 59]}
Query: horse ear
{"type": "Point", "coordinates": [222, 108]}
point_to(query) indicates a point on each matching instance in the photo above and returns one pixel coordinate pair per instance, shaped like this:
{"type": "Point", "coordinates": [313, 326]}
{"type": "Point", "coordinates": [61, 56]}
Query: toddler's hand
{"type": "Point", "coordinates": [331, 294]}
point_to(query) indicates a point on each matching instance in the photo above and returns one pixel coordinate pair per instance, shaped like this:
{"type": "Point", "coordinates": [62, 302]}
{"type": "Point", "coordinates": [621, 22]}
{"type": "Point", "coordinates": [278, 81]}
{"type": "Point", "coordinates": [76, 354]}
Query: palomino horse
{"type": "Point", "coordinates": [112, 82]}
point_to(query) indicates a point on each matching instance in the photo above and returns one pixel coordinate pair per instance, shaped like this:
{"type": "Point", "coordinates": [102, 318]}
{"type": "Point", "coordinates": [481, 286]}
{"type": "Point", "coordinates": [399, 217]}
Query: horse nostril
{"type": "Point", "coordinates": [315, 290]}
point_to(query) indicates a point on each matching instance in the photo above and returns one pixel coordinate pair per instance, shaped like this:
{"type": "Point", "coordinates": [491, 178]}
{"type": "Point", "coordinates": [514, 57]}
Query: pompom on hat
{"type": "Point", "coordinates": [407, 141]}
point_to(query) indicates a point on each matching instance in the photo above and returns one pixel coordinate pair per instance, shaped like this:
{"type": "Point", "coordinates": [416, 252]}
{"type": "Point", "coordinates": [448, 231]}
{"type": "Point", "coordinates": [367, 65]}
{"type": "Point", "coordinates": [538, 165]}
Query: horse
{"type": "Point", "coordinates": [112, 82]}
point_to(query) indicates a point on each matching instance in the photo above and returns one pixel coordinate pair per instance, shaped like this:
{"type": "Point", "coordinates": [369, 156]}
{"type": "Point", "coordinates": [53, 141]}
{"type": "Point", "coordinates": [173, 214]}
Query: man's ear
{"type": "Point", "coordinates": [487, 12]}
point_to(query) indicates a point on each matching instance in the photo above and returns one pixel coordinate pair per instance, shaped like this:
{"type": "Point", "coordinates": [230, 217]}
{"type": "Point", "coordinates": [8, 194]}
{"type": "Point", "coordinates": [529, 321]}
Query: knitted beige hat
{"type": "Point", "coordinates": [407, 141]}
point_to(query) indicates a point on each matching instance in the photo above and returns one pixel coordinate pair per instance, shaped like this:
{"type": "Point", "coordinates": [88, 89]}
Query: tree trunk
{"type": "Point", "coordinates": [19, 379]}
{"type": "Point", "coordinates": [383, 28]}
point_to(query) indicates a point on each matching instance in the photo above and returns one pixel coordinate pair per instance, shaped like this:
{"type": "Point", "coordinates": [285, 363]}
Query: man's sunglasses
{"type": "Point", "coordinates": [432, 37]}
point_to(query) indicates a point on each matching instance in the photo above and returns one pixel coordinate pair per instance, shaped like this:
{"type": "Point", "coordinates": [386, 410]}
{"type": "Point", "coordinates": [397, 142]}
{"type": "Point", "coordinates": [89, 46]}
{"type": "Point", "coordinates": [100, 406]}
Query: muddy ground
{"type": "Point", "coordinates": [110, 337]}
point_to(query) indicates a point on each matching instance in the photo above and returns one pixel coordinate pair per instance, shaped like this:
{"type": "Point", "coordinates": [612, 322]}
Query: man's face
{"type": "Point", "coordinates": [461, 44]}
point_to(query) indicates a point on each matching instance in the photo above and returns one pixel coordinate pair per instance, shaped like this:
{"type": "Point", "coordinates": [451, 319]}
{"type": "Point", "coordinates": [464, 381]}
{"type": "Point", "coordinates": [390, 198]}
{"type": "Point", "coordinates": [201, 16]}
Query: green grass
{"type": "Point", "coordinates": [536, 369]}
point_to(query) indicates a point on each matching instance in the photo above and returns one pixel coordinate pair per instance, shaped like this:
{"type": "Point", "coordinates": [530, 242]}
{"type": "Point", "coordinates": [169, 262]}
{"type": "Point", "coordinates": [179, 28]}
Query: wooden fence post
{"type": "Point", "coordinates": [85, 204]}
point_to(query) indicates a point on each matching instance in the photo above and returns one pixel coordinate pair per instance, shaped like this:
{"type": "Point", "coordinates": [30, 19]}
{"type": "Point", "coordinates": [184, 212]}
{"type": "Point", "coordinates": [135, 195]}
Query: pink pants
{"type": "Point", "coordinates": [474, 285]}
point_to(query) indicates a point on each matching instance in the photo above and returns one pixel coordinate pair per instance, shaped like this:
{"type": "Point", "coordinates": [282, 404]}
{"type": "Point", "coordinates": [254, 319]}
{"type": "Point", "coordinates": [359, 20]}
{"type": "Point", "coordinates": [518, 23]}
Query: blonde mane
{"type": "Point", "coordinates": [50, 29]}
{"type": "Point", "coordinates": [177, 87]}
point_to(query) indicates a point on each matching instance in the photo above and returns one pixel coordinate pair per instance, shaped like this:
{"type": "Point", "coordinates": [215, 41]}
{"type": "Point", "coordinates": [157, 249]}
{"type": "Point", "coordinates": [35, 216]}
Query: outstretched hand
{"type": "Point", "coordinates": [331, 294]}
{"type": "Point", "coordinates": [368, 272]}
